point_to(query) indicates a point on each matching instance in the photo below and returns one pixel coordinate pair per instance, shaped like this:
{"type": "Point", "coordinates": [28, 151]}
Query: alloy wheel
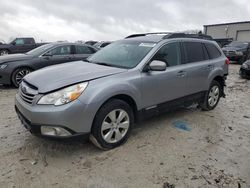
{"type": "Point", "coordinates": [213, 96]}
{"type": "Point", "coordinates": [115, 126]}
{"type": "Point", "coordinates": [4, 52]}
{"type": "Point", "coordinates": [20, 74]}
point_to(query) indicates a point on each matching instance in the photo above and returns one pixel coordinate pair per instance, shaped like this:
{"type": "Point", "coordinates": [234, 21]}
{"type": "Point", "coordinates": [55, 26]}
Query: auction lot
{"type": "Point", "coordinates": [213, 152]}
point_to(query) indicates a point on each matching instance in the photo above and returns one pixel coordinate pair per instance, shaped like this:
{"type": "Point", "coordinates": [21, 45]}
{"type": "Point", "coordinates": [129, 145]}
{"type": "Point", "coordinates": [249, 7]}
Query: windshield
{"type": "Point", "coordinates": [40, 50]}
{"type": "Point", "coordinates": [238, 44]}
{"type": "Point", "coordinates": [125, 54]}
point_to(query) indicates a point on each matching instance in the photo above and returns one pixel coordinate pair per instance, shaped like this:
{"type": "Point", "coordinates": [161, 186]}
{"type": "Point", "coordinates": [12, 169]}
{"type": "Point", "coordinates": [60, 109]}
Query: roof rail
{"type": "Point", "coordinates": [184, 35]}
{"type": "Point", "coordinates": [145, 34]}
{"type": "Point", "coordinates": [169, 35]}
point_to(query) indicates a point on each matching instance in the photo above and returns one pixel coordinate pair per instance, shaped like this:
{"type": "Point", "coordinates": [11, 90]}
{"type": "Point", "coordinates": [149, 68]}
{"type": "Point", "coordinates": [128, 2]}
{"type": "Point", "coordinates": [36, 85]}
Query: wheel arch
{"type": "Point", "coordinates": [220, 79]}
{"type": "Point", "coordinates": [124, 97]}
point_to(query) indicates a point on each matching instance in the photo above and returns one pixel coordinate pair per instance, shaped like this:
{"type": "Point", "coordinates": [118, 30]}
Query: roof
{"type": "Point", "coordinates": [157, 37]}
{"type": "Point", "coordinates": [231, 23]}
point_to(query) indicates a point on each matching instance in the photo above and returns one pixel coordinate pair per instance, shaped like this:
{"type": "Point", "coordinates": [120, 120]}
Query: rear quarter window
{"type": "Point", "coordinates": [213, 51]}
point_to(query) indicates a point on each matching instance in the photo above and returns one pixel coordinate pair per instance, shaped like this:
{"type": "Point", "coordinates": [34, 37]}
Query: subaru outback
{"type": "Point", "coordinates": [130, 79]}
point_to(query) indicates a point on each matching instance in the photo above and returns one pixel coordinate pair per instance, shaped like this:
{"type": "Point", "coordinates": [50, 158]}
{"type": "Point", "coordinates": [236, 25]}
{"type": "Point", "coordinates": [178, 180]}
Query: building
{"type": "Point", "coordinates": [226, 32]}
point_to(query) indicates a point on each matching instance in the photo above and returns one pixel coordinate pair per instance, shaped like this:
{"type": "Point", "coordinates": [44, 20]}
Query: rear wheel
{"type": "Point", "coordinates": [18, 75]}
{"type": "Point", "coordinates": [212, 96]}
{"type": "Point", "coordinates": [4, 52]}
{"type": "Point", "coordinates": [112, 124]}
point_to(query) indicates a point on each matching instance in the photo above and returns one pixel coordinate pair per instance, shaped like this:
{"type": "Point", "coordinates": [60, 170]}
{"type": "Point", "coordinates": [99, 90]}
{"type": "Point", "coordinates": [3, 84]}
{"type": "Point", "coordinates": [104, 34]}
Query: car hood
{"type": "Point", "coordinates": [59, 76]}
{"type": "Point", "coordinates": [14, 57]}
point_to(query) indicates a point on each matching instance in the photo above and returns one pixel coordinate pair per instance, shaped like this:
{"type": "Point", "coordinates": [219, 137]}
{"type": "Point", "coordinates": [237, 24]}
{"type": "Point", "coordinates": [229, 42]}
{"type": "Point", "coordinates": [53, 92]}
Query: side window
{"type": "Point", "coordinates": [170, 54]}
{"type": "Point", "coordinates": [212, 51]}
{"type": "Point", "coordinates": [104, 44]}
{"type": "Point", "coordinates": [19, 41]}
{"type": "Point", "coordinates": [92, 50]}
{"type": "Point", "coordinates": [194, 52]}
{"type": "Point", "coordinates": [28, 41]}
{"type": "Point", "coordinates": [83, 50]}
{"type": "Point", "coordinates": [62, 50]}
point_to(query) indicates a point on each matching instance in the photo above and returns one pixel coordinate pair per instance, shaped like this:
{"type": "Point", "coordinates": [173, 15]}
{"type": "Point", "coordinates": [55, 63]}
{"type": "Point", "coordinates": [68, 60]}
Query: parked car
{"type": "Point", "coordinates": [237, 51]}
{"type": "Point", "coordinates": [102, 44]}
{"type": "Point", "coordinates": [19, 45]}
{"type": "Point", "coordinates": [245, 69]}
{"type": "Point", "coordinates": [91, 42]}
{"type": "Point", "coordinates": [119, 85]}
{"type": "Point", "coordinates": [14, 67]}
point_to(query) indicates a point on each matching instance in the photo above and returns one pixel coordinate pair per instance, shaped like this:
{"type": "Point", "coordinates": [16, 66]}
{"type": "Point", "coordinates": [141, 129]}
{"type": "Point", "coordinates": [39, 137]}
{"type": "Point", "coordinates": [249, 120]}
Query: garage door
{"type": "Point", "coordinates": [243, 36]}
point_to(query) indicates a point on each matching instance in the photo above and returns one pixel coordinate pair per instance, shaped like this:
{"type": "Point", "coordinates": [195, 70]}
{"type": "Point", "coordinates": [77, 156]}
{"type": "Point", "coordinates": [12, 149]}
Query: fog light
{"type": "Point", "coordinates": [54, 131]}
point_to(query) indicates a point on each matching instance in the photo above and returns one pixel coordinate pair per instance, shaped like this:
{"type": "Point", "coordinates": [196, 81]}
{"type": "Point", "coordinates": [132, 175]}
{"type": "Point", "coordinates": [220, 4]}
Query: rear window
{"type": "Point", "coordinates": [212, 51]}
{"type": "Point", "coordinates": [83, 50]}
{"type": "Point", "coordinates": [194, 52]}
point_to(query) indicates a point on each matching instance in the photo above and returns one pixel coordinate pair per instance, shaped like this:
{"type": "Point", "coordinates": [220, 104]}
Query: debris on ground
{"type": "Point", "coordinates": [182, 125]}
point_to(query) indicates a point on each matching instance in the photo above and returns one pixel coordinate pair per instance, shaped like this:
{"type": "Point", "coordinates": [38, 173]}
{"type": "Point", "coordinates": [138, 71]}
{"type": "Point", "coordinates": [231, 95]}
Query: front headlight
{"type": "Point", "coordinates": [244, 65]}
{"type": "Point", "coordinates": [64, 96]}
{"type": "Point", "coordinates": [238, 53]}
{"type": "Point", "coordinates": [3, 66]}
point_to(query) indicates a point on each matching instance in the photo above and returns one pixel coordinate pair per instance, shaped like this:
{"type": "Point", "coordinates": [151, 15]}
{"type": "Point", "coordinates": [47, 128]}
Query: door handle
{"type": "Point", "coordinates": [181, 74]}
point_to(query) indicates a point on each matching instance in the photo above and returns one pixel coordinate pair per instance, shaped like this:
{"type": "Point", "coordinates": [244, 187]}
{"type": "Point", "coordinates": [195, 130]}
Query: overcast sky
{"type": "Point", "coordinates": [52, 20]}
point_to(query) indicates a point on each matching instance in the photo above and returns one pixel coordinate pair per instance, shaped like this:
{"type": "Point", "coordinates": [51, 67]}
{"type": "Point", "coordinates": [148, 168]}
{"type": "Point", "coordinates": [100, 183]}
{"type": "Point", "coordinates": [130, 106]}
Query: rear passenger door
{"type": "Point", "coordinates": [198, 66]}
{"type": "Point", "coordinates": [82, 52]}
{"type": "Point", "coordinates": [163, 86]}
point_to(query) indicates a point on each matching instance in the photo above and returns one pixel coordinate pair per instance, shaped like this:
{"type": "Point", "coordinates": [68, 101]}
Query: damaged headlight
{"type": "Point", "coordinates": [3, 66]}
{"type": "Point", "coordinates": [64, 96]}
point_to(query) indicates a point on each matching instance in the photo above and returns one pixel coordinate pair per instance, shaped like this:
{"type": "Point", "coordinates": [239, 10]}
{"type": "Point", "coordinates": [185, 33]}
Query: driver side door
{"type": "Point", "coordinates": [159, 87]}
{"type": "Point", "coordinates": [58, 55]}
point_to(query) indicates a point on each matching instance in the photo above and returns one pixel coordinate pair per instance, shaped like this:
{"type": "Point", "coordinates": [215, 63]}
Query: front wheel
{"type": "Point", "coordinates": [212, 96]}
{"type": "Point", "coordinates": [18, 75]}
{"type": "Point", "coordinates": [4, 52]}
{"type": "Point", "coordinates": [112, 124]}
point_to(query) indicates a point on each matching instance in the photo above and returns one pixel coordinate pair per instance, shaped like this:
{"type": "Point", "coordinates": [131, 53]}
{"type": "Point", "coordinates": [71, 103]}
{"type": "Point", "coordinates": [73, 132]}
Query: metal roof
{"type": "Point", "coordinates": [231, 23]}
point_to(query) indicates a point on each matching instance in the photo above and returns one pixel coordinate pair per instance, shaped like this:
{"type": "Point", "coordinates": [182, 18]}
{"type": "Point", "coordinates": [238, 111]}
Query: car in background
{"type": "Point", "coordinates": [102, 44]}
{"type": "Point", "coordinates": [133, 78]}
{"type": "Point", "coordinates": [91, 42]}
{"type": "Point", "coordinates": [237, 51]}
{"type": "Point", "coordinates": [245, 69]}
{"type": "Point", "coordinates": [19, 45]}
{"type": "Point", "coordinates": [14, 67]}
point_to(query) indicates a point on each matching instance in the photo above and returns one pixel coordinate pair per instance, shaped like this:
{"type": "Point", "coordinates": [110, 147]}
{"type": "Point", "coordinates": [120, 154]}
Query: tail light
{"type": "Point", "coordinates": [227, 61]}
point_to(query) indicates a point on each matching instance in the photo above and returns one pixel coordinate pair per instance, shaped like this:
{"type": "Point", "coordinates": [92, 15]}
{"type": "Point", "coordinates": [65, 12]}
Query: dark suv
{"type": "Point", "coordinates": [237, 51]}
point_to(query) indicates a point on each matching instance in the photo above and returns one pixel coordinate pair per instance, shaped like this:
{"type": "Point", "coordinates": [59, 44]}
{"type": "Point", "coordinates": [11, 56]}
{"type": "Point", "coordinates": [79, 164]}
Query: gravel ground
{"type": "Point", "coordinates": [214, 152]}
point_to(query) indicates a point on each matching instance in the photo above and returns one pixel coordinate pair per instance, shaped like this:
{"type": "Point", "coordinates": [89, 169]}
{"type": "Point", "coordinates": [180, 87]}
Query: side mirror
{"type": "Point", "coordinates": [48, 54]}
{"type": "Point", "coordinates": [13, 43]}
{"type": "Point", "coordinates": [157, 66]}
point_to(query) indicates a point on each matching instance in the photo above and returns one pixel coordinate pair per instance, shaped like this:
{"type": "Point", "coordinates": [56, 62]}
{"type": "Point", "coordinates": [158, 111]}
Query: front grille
{"type": "Point", "coordinates": [27, 93]}
{"type": "Point", "coordinates": [27, 97]}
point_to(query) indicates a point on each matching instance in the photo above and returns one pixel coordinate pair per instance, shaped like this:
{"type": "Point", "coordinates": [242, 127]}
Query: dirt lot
{"type": "Point", "coordinates": [213, 152]}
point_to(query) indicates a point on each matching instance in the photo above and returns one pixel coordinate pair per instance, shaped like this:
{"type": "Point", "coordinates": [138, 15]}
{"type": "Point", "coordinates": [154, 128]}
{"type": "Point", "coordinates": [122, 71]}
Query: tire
{"type": "Point", "coordinates": [4, 52]}
{"type": "Point", "coordinates": [18, 75]}
{"type": "Point", "coordinates": [107, 133]}
{"type": "Point", "coordinates": [212, 96]}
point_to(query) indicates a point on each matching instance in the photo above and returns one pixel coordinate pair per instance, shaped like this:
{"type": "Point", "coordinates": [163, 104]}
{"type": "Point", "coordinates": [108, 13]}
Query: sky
{"type": "Point", "coordinates": [74, 20]}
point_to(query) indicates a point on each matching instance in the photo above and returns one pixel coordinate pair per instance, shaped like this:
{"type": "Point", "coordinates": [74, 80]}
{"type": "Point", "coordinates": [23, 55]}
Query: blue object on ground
{"type": "Point", "coordinates": [181, 125]}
